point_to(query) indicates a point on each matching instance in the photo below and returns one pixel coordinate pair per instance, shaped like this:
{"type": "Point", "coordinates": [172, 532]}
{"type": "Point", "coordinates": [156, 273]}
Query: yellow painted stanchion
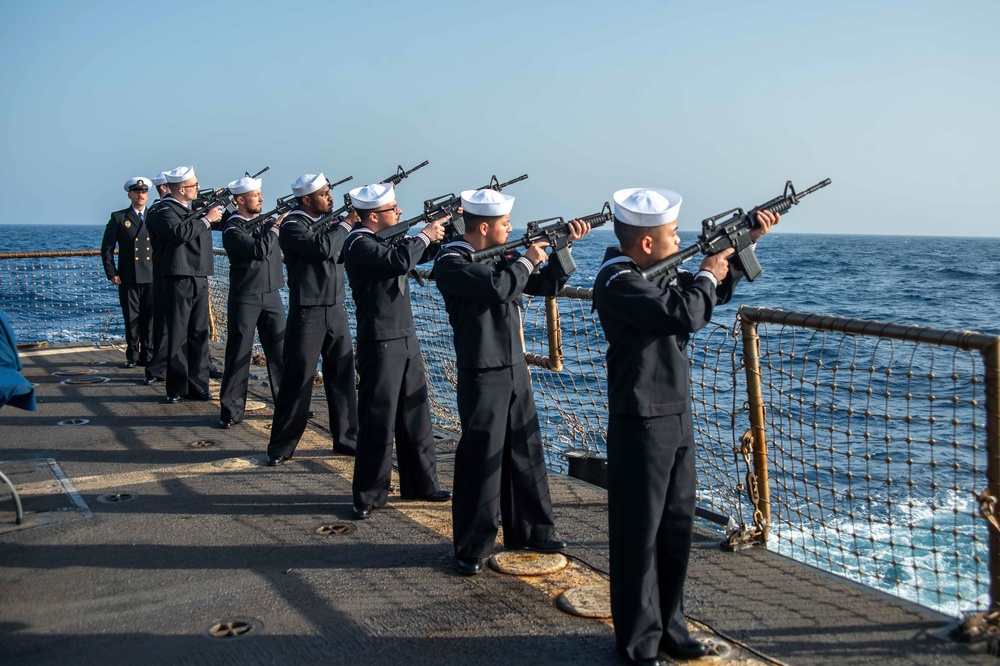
{"type": "Point", "coordinates": [757, 483]}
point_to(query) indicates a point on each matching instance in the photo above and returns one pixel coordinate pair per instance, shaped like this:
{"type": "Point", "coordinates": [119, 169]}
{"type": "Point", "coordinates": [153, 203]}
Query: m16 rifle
{"type": "Point", "coordinates": [285, 204]}
{"type": "Point", "coordinates": [554, 230]}
{"type": "Point", "coordinates": [440, 208]}
{"type": "Point", "coordinates": [215, 197]}
{"type": "Point", "coordinates": [334, 216]}
{"type": "Point", "coordinates": [734, 232]}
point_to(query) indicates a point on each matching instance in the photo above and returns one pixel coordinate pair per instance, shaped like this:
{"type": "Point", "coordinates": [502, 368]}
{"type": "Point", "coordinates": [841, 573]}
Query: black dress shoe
{"type": "Point", "coordinates": [438, 496]}
{"type": "Point", "coordinates": [128, 364]}
{"type": "Point", "coordinates": [153, 380]}
{"type": "Point", "coordinates": [226, 424]}
{"type": "Point", "coordinates": [548, 546]}
{"type": "Point", "coordinates": [274, 461]}
{"type": "Point", "coordinates": [215, 374]}
{"type": "Point", "coordinates": [344, 450]}
{"type": "Point", "coordinates": [689, 649]}
{"type": "Point", "coordinates": [203, 396]}
{"type": "Point", "coordinates": [311, 413]}
{"type": "Point", "coordinates": [174, 399]}
{"type": "Point", "coordinates": [362, 511]}
{"type": "Point", "coordinates": [469, 566]}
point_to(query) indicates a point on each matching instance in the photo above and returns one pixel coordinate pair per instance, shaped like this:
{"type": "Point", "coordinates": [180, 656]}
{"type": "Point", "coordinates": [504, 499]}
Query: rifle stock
{"type": "Point", "coordinates": [733, 232]}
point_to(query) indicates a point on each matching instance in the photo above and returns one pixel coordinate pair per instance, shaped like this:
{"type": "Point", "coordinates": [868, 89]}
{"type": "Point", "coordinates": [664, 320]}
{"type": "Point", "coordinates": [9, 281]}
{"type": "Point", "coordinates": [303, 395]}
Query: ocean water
{"type": "Point", "coordinates": [918, 540]}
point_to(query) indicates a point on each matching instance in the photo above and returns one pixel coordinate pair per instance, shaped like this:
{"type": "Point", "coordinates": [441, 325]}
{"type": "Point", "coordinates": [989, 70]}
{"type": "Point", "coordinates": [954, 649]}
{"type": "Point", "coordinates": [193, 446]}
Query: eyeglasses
{"type": "Point", "coordinates": [194, 184]}
{"type": "Point", "coordinates": [388, 210]}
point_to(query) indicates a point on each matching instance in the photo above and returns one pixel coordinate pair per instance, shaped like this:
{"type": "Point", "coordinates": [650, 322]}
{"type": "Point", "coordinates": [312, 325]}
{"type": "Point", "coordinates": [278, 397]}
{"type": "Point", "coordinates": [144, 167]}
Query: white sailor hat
{"type": "Point", "coordinates": [244, 185]}
{"type": "Point", "coordinates": [487, 203]}
{"type": "Point", "coordinates": [372, 196]}
{"type": "Point", "coordinates": [308, 184]}
{"type": "Point", "coordinates": [138, 184]}
{"type": "Point", "coordinates": [180, 174]}
{"type": "Point", "coordinates": [160, 179]}
{"type": "Point", "coordinates": [646, 207]}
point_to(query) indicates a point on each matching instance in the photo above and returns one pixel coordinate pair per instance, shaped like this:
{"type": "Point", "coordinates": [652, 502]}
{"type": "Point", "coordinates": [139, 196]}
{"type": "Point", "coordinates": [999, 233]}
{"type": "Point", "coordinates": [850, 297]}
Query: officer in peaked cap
{"type": "Point", "coordinates": [317, 324]}
{"type": "Point", "coordinates": [134, 274]}
{"type": "Point", "coordinates": [651, 448]}
{"type": "Point", "coordinates": [186, 262]}
{"type": "Point", "coordinates": [255, 276]}
{"type": "Point", "coordinates": [499, 464]}
{"type": "Point", "coordinates": [392, 387]}
{"type": "Point", "coordinates": [156, 369]}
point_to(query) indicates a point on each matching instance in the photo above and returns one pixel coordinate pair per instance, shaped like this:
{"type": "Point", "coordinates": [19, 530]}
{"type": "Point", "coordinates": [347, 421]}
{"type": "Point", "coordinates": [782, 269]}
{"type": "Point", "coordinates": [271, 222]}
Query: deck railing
{"type": "Point", "coordinates": [869, 450]}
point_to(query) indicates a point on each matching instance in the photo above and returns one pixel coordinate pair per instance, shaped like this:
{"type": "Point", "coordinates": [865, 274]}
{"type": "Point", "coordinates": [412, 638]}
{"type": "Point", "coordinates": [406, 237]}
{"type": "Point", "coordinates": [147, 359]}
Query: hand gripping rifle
{"type": "Point", "coordinates": [334, 216]}
{"type": "Point", "coordinates": [215, 197]}
{"type": "Point", "coordinates": [734, 232]}
{"type": "Point", "coordinates": [441, 207]}
{"type": "Point", "coordinates": [555, 230]}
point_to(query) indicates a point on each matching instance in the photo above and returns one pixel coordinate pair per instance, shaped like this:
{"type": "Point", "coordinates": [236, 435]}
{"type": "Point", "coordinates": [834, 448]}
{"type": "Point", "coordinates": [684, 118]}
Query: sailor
{"type": "Point", "coordinates": [186, 262]}
{"type": "Point", "coordinates": [255, 276]}
{"type": "Point", "coordinates": [499, 464]}
{"type": "Point", "coordinates": [392, 388]}
{"type": "Point", "coordinates": [317, 324]}
{"type": "Point", "coordinates": [156, 369]}
{"type": "Point", "coordinates": [134, 274]}
{"type": "Point", "coordinates": [650, 444]}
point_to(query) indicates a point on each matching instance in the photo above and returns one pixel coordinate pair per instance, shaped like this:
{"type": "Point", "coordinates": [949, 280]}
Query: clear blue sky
{"type": "Point", "coordinates": [897, 102]}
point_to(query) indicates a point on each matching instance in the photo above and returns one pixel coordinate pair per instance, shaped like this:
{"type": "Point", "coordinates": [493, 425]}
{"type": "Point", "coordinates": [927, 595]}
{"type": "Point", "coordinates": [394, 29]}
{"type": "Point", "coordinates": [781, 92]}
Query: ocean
{"type": "Point", "coordinates": [920, 539]}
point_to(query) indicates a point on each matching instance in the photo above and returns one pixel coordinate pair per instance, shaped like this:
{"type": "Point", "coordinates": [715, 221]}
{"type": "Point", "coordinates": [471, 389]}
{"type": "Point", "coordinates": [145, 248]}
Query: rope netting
{"type": "Point", "coordinates": [877, 446]}
{"type": "Point", "coordinates": [877, 452]}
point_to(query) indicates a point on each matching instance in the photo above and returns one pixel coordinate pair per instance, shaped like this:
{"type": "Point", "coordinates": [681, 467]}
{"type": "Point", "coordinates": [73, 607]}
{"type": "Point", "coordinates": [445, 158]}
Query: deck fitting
{"type": "Point", "coordinates": [234, 628]}
{"type": "Point", "coordinates": [202, 444]}
{"type": "Point", "coordinates": [85, 380]}
{"type": "Point", "coordinates": [73, 422]}
{"type": "Point", "coordinates": [335, 530]}
{"type": "Point", "coordinates": [115, 498]}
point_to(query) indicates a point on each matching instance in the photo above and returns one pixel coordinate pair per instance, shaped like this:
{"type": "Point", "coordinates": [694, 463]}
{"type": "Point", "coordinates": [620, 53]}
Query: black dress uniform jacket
{"type": "Point", "coordinates": [314, 260]}
{"type": "Point", "coordinates": [483, 300]}
{"type": "Point", "coordinates": [135, 256]}
{"type": "Point", "coordinates": [185, 246]}
{"type": "Point", "coordinates": [254, 258]}
{"type": "Point", "coordinates": [648, 326]}
{"type": "Point", "coordinates": [378, 270]}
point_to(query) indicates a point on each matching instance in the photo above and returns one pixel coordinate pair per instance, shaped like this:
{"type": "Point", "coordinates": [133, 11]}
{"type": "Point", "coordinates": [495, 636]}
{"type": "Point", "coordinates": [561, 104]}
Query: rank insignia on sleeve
{"type": "Point", "coordinates": [127, 224]}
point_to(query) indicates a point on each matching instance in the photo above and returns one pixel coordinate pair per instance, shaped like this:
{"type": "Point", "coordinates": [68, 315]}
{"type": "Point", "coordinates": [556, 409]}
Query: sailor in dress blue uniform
{"type": "Point", "coordinates": [255, 276]}
{"type": "Point", "coordinates": [499, 464]}
{"type": "Point", "coordinates": [392, 386]}
{"type": "Point", "coordinates": [134, 273]}
{"type": "Point", "coordinates": [650, 445]}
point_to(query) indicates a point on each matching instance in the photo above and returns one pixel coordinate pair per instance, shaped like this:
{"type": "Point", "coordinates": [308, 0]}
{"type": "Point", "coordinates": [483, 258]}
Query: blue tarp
{"type": "Point", "coordinates": [15, 390]}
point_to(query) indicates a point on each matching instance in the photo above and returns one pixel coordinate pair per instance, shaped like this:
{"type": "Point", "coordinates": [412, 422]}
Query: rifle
{"type": "Point", "coordinates": [555, 230]}
{"type": "Point", "coordinates": [334, 215]}
{"type": "Point", "coordinates": [441, 207]}
{"type": "Point", "coordinates": [286, 203]}
{"type": "Point", "coordinates": [395, 179]}
{"type": "Point", "coordinates": [734, 232]}
{"type": "Point", "coordinates": [215, 197]}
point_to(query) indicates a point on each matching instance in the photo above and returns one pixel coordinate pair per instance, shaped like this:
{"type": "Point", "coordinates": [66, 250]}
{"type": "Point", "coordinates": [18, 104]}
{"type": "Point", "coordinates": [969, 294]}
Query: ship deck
{"type": "Point", "coordinates": [148, 526]}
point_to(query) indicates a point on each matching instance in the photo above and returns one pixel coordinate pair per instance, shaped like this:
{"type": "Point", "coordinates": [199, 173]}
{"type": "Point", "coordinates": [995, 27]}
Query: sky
{"type": "Point", "coordinates": [896, 102]}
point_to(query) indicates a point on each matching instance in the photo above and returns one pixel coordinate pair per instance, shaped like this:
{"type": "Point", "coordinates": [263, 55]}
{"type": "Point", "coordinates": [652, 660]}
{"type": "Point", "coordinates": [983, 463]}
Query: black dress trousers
{"type": "Point", "coordinates": [313, 333]}
{"type": "Point", "coordinates": [186, 309]}
{"type": "Point", "coordinates": [135, 302]}
{"type": "Point", "coordinates": [651, 500]}
{"type": "Point", "coordinates": [499, 464]}
{"type": "Point", "coordinates": [255, 312]}
{"type": "Point", "coordinates": [157, 366]}
{"type": "Point", "coordinates": [392, 401]}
